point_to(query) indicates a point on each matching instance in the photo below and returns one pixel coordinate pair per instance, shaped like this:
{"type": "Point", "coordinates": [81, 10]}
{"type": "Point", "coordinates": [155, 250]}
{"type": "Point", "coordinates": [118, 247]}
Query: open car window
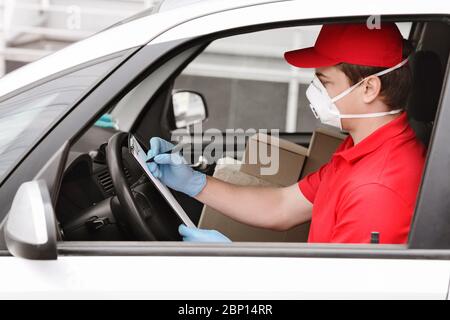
{"type": "Point", "coordinates": [240, 77]}
{"type": "Point", "coordinates": [248, 84]}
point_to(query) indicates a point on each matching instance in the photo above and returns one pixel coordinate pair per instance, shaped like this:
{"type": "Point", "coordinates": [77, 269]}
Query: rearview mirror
{"type": "Point", "coordinates": [30, 231]}
{"type": "Point", "coordinates": [189, 108]}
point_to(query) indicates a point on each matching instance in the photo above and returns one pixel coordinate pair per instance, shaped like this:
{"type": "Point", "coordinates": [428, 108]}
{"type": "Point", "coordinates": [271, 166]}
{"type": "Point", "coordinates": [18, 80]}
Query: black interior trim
{"type": "Point", "coordinates": [160, 123]}
{"type": "Point", "coordinates": [431, 224]}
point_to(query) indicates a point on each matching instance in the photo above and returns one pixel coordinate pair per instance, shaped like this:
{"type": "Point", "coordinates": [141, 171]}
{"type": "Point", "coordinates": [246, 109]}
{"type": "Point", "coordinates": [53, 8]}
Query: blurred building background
{"type": "Point", "coordinates": [246, 82]}
{"type": "Point", "coordinates": [31, 29]}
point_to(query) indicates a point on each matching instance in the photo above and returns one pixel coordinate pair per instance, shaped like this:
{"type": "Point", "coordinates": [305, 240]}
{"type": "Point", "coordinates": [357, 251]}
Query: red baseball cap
{"type": "Point", "coordinates": [351, 43]}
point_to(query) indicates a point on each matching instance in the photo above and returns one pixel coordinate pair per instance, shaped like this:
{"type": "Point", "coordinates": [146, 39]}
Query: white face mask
{"type": "Point", "coordinates": [324, 107]}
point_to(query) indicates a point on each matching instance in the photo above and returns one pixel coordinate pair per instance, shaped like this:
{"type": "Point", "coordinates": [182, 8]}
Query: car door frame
{"type": "Point", "coordinates": [421, 236]}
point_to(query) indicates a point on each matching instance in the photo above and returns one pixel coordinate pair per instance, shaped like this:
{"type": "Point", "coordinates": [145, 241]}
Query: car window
{"type": "Point", "coordinates": [25, 117]}
{"type": "Point", "coordinates": [248, 84]}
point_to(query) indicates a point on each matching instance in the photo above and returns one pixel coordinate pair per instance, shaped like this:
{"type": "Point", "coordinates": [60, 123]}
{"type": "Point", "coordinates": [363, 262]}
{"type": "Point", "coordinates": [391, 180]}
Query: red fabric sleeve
{"type": "Point", "coordinates": [372, 208]}
{"type": "Point", "coordinates": [309, 184]}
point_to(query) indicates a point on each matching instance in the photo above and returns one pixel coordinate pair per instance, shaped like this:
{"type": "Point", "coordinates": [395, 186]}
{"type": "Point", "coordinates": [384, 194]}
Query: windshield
{"type": "Point", "coordinates": [25, 117]}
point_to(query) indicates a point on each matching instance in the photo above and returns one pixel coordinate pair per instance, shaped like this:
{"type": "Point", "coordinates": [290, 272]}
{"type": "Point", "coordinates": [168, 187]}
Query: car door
{"type": "Point", "coordinates": [237, 270]}
{"type": "Point", "coordinates": [234, 271]}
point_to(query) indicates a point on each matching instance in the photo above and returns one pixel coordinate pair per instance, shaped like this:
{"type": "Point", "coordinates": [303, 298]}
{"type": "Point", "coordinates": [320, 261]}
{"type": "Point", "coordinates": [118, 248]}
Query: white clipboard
{"type": "Point", "coordinates": [140, 155]}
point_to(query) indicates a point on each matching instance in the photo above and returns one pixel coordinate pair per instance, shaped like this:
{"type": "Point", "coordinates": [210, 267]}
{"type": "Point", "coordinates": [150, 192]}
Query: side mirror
{"type": "Point", "coordinates": [188, 108]}
{"type": "Point", "coordinates": [30, 231]}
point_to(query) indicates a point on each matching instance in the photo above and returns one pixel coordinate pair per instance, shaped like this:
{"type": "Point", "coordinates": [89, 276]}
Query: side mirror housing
{"type": "Point", "coordinates": [30, 229]}
{"type": "Point", "coordinates": [189, 108]}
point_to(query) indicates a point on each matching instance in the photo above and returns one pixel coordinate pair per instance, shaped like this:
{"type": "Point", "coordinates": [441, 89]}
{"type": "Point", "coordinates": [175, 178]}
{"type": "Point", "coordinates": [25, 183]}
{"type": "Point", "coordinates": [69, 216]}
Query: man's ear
{"type": "Point", "coordinates": [371, 89]}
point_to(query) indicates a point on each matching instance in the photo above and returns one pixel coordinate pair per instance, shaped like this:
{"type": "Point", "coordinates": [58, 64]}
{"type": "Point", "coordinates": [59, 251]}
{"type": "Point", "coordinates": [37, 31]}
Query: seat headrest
{"type": "Point", "coordinates": [426, 86]}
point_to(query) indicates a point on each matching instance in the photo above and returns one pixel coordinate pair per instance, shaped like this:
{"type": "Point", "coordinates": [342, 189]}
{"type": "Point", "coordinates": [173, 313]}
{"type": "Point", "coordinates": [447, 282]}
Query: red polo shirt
{"type": "Point", "coordinates": [368, 187]}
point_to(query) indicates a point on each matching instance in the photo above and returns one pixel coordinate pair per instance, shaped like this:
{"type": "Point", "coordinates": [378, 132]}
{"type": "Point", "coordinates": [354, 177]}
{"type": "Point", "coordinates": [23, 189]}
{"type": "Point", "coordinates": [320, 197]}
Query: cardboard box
{"type": "Point", "coordinates": [284, 168]}
{"type": "Point", "coordinates": [324, 143]}
{"type": "Point", "coordinates": [236, 231]}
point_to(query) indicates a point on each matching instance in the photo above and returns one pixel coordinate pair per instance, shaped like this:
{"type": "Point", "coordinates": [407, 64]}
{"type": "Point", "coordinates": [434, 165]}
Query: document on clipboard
{"type": "Point", "coordinates": [140, 155]}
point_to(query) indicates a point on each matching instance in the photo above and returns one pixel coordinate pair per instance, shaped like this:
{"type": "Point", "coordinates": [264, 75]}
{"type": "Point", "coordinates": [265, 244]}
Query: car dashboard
{"type": "Point", "coordinates": [87, 198]}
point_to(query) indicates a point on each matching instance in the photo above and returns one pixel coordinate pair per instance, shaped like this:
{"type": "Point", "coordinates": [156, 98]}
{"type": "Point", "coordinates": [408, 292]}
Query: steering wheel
{"type": "Point", "coordinates": [143, 208]}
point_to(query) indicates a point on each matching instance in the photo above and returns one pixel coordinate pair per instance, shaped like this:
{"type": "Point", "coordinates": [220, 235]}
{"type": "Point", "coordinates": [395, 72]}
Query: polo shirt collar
{"type": "Point", "coordinates": [395, 127]}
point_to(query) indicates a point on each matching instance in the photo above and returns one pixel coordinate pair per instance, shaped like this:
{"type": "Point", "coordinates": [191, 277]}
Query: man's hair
{"type": "Point", "coordinates": [395, 85]}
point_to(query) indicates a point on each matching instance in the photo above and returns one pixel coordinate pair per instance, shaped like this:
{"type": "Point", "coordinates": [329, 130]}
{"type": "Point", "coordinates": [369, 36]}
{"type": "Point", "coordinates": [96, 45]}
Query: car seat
{"type": "Point", "coordinates": [425, 93]}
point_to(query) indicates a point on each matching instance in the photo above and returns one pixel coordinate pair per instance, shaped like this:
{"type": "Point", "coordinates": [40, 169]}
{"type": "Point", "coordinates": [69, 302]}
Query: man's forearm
{"type": "Point", "coordinates": [256, 206]}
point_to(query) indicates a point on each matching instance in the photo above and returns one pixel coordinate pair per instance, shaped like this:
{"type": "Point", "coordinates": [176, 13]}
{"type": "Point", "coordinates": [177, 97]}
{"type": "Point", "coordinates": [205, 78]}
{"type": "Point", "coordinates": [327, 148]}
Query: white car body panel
{"type": "Point", "coordinates": [299, 10]}
{"type": "Point", "coordinates": [223, 278]}
{"type": "Point", "coordinates": [126, 36]}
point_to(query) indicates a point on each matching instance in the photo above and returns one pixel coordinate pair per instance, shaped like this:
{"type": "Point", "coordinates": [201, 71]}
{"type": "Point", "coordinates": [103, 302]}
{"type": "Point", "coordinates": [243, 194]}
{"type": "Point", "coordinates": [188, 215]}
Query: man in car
{"type": "Point", "coordinates": [370, 184]}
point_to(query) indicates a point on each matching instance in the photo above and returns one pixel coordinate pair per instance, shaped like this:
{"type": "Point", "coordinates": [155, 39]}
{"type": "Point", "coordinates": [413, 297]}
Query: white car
{"type": "Point", "coordinates": [81, 221]}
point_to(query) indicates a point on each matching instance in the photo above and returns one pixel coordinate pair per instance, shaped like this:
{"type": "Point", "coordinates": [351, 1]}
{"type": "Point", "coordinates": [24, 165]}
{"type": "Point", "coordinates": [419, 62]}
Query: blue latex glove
{"type": "Point", "coordinates": [201, 235]}
{"type": "Point", "coordinates": [173, 170]}
{"type": "Point", "coordinates": [106, 121]}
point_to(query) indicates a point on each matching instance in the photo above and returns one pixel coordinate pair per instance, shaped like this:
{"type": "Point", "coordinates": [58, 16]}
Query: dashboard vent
{"type": "Point", "coordinates": [106, 183]}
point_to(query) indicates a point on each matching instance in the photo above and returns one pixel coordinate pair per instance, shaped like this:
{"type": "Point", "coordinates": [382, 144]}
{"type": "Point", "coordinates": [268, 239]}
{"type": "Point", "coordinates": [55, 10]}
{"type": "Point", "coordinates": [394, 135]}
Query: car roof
{"type": "Point", "coordinates": [173, 4]}
{"type": "Point", "coordinates": [118, 38]}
